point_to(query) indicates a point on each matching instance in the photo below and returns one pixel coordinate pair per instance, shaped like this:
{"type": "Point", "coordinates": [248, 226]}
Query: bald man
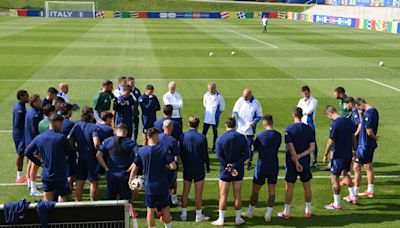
{"type": "Point", "coordinates": [63, 92]}
{"type": "Point", "coordinates": [247, 112]}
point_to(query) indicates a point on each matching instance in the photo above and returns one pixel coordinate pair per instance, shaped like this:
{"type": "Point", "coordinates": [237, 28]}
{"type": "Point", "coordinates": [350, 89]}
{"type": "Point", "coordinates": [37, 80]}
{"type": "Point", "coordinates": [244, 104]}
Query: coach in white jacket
{"type": "Point", "coordinates": [309, 106]}
{"type": "Point", "coordinates": [174, 98]}
{"type": "Point", "coordinates": [214, 105]}
{"type": "Point", "coordinates": [248, 113]}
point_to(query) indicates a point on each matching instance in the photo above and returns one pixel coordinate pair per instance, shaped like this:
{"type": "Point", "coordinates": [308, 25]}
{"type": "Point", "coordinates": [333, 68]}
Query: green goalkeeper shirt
{"type": "Point", "coordinates": [44, 125]}
{"type": "Point", "coordinates": [343, 112]}
{"type": "Point", "coordinates": [102, 102]}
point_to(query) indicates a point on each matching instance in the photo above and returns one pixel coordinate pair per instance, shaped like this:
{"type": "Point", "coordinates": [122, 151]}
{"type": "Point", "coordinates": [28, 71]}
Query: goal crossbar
{"type": "Point", "coordinates": [92, 7]}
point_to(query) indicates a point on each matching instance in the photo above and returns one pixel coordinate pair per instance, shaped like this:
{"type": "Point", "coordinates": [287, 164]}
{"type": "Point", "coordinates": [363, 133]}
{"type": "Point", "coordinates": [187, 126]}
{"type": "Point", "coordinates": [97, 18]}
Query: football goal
{"type": "Point", "coordinates": [70, 9]}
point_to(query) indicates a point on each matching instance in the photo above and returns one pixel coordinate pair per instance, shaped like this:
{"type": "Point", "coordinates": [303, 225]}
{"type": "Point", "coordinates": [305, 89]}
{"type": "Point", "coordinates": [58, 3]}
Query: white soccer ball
{"type": "Point", "coordinates": [137, 183]}
{"type": "Point", "coordinates": [211, 54]}
{"type": "Point", "coordinates": [233, 53]}
{"type": "Point", "coordinates": [381, 63]}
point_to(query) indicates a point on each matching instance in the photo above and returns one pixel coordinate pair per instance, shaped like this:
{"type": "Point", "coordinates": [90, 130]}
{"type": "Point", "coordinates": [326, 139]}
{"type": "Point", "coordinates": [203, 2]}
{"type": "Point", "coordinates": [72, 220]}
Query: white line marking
{"type": "Point", "coordinates": [302, 59]}
{"type": "Point", "coordinates": [217, 179]}
{"type": "Point", "coordinates": [383, 84]}
{"type": "Point", "coordinates": [186, 79]}
{"type": "Point", "coordinates": [251, 38]}
{"type": "Point", "coordinates": [5, 131]}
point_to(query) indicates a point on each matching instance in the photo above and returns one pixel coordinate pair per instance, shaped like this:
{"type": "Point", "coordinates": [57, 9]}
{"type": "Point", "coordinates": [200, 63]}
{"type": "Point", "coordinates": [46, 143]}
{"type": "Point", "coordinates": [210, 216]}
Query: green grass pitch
{"type": "Point", "coordinates": [38, 53]}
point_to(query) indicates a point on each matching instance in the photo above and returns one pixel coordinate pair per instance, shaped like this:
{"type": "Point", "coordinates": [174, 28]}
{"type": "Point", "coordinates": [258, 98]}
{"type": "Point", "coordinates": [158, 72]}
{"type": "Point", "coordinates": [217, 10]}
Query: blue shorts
{"type": "Point", "coordinates": [338, 166]}
{"type": "Point", "coordinates": [292, 174]}
{"type": "Point", "coordinates": [172, 178]}
{"type": "Point", "coordinates": [117, 184]}
{"type": "Point", "coordinates": [365, 156]}
{"type": "Point", "coordinates": [259, 178]}
{"type": "Point", "coordinates": [19, 144]}
{"type": "Point", "coordinates": [227, 177]}
{"type": "Point", "coordinates": [161, 200]}
{"type": "Point", "coordinates": [88, 168]}
{"type": "Point", "coordinates": [71, 165]}
{"type": "Point", "coordinates": [195, 177]}
{"type": "Point", "coordinates": [60, 188]}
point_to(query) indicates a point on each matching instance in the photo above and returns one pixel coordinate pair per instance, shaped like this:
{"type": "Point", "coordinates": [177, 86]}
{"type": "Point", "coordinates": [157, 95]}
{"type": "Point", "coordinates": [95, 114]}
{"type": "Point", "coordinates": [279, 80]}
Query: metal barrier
{"type": "Point", "coordinates": [99, 214]}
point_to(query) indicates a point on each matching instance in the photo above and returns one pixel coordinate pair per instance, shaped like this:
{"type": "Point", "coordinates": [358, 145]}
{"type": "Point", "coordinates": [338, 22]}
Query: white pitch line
{"type": "Point", "coordinates": [383, 84]}
{"type": "Point", "coordinates": [251, 38]}
{"type": "Point", "coordinates": [5, 131]}
{"type": "Point", "coordinates": [302, 59]}
{"type": "Point", "coordinates": [217, 179]}
{"type": "Point", "coordinates": [187, 79]}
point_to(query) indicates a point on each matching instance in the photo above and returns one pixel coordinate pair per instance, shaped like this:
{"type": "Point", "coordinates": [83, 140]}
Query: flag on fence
{"type": "Point", "coordinates": [135, 15]}
{"type": "Point", "coordinates": [117, 14]}
{"type": "Point", "coordinates": [241, 15]}
{"type": "Point", "coordinates": [225, 15]}
{"type": "Point", "coordinates": [100, 14]}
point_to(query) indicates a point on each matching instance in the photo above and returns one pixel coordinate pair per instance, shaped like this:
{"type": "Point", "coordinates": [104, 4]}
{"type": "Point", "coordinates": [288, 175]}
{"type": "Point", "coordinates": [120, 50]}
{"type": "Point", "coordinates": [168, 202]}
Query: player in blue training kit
{"type": "Point", "coordinates": [342, 143]}
{"type": "Point", "coordinates": [300, 143]}
{"type": "Point", "coordinates": [53, 148]}
{"type": "Point", "coordinates": [150, 105]}
{"type": "Point", "coordinates": [267, 144]}
{"type": "Point", "coordinates": [68, 124]}
{"type": "Point", "coordinates": [177, 129]}
{"type": "Point", "coordinates": [19, 113]}
{"type": "Point", "coordinates": [367, 143]}
{"type": "Point", "coordinates": [171, 144]}
{"type": "Point", "coordinates": [123, 106]}
{"type": "Point", "coordinates": [156, 161]}
{"type": "Point", "coordinates": [33, 116]}
{"type": "Point", "coordinates": [232, 151]}
{"type": "Point", "coordinates": [82, 137]}
{"type": "Point", "coordinates": [195, 160]}
{"type": "Point", "coordinates": [120, 151]}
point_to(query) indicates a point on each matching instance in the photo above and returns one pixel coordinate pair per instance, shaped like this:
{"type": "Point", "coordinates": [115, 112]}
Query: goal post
{"type": "Point", "coordinates": [70, 9]}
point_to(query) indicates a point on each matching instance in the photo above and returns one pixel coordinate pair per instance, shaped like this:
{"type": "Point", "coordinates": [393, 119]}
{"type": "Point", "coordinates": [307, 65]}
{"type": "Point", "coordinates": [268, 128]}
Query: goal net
{"type": "Point", "coordinates": [70, 9]}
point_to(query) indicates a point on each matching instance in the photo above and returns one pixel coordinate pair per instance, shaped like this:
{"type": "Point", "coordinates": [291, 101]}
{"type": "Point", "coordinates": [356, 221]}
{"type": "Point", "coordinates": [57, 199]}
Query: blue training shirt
{"type": "Point", "coordinates": [355, 118]}
{"type": "Point", "coordinates": [54, 148]}
{"type": "Point", "coordinates": [32, 119]}
{"type": "Point", "coordinates": [301, 135]}
{"type": "Point", "coordinates": [194, 152]}
{"type": "Point", "coordinates": [267, 144]}
{"type": "Point", "coordinates": [83, 133]}
{"type": "Point", "coordinates": [124, 106]}
{"type": "Point", "coordinates": [176, 131]}
{"type": "Point", "coordinates": [154, 159]}
{"type": "Point", "coordinates": [19, 113]}
{"type": "Point", "coordinates": [149, 106]}
{"type": "Point", "coordinates": [169, 143]}
{"type": "Point", "coordinates": [370, 121]}
{"type": "Point", "coordinates": [232, 148]}
{"type": "Point", "coordinates": [104, 131]}
{"type": "Point", "coordinates": [67, 126]}
{"type": "Point", "coordinates": [342, 133]}
{"type": "Point", "coordinates": [118, 160]}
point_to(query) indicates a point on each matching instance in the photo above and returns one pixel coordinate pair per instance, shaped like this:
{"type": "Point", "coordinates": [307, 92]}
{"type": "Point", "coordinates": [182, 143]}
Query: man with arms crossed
{"type": "Point", "coordinates": [341, 142]}
{"type": "Point", "coordinates": [194, 155]}
{"type": "Point", "coordinates": [367, 143]}
{"type": "Point", "coordinates": [232, 151]}
{"type": "Point", "coordinates": [300, 143]}
{"type": "Point", "coordinates": [214, 105]}
{"type": "Point", "coordinates": [309, 106]}
{"type": "Point", "coordinates": [248, 113]}
{"type": "Point", "coordinates": [155, 161]}
{"type": "Point", "coordinates": [103, 100]}
{"type": "Point", "coordinates": [53, 148]}
{"type": "Point", "coordinates": [267, 144]}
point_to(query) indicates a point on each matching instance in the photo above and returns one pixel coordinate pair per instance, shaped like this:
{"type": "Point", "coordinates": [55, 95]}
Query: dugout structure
{"type": "Point", "coordinates": [99, 214]}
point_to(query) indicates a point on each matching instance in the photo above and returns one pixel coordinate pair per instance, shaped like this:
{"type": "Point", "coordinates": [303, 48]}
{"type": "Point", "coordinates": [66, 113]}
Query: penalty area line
{"type": "Point", "coordinates": [217, 179]}
{"type": "Point", "coordinates": [383, 84]}
{"type": "Point", "coordinates": [251, 38]}
{"type": "Point", "coordinates": [185, 79]}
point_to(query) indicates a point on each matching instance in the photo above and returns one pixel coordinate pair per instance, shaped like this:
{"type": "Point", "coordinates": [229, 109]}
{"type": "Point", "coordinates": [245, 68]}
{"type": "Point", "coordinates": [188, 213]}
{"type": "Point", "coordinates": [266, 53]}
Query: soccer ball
{"type": "Point", "coordinates": [233, 53]}
{"type": "Point", "coordinates": [381, 63]}
{"type": "Point", "coordinates": [137, 183]}
{"type": "Point", "coordinates": [211, 54]}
